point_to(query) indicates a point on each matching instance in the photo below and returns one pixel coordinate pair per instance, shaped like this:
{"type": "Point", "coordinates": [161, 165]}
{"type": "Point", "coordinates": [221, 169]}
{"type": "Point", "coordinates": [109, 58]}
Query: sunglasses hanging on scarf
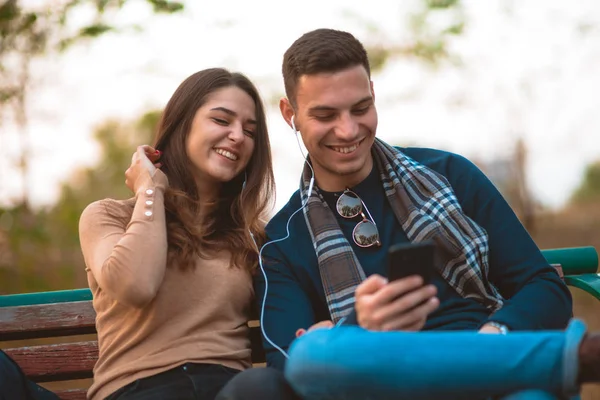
{"type": "Point", "coordinates": [365, 233]}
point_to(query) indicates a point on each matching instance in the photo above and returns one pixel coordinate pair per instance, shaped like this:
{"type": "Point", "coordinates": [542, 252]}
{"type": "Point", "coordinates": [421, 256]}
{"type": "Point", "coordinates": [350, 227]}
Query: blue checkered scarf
{"type": "Point", "coordinates": [425, 205]}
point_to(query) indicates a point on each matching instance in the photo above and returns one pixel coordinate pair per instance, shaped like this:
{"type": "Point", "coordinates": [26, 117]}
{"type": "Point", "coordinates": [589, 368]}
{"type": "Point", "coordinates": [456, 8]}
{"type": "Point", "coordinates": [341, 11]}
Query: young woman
{"type": "Point", "coordinates": [170, 269]}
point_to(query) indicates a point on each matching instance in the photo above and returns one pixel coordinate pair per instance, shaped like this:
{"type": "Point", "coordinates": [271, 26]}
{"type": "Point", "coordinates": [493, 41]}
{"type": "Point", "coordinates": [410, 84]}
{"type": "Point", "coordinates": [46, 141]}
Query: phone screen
{"type": "Point", "coordinates": [408, 259]}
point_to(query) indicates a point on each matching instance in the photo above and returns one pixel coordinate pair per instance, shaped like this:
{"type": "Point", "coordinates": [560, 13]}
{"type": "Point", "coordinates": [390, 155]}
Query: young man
{"type": "Point", "coordinates": [358, 196]}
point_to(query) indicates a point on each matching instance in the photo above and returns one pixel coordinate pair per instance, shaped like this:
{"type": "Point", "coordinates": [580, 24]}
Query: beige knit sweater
{"type": "Point", "coordinates": [150, 317]}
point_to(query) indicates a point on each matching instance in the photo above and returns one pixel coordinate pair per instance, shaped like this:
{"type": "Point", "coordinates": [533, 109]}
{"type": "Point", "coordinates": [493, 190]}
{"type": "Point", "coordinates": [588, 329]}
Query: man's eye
{"type": "Point", "coordinates": [327, 117]}
{"type": "Point", "coordinates": [361, 111]}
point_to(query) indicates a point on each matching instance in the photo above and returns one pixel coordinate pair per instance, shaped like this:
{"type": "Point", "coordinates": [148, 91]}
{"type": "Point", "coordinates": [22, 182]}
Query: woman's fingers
{"type": "Point", "coordinates": [152, 154]}
{"type": "Point", "coordinates": [145, 161]}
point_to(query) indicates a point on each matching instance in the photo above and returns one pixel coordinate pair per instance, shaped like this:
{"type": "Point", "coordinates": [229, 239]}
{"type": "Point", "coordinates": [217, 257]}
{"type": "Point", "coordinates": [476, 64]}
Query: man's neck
{"type": "Point", "coordinates": [330, 181]}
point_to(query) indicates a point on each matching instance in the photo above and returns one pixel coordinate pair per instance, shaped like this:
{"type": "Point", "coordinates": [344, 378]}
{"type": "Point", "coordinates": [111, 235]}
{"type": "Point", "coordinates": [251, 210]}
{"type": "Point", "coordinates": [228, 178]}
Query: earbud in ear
{"type": "Point", "coordinates": [293, 124]}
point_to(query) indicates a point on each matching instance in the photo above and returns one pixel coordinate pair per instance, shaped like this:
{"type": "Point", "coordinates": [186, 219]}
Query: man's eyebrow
{"type": "Point", "coordinates": [232, 113]}
{"type": "Point", "coordinates": [327, 108]}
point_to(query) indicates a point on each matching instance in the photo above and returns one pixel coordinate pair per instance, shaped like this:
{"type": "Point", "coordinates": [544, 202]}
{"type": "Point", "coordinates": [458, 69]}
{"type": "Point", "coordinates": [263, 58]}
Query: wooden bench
{"type": "Point", "coordinates": [69, 312]}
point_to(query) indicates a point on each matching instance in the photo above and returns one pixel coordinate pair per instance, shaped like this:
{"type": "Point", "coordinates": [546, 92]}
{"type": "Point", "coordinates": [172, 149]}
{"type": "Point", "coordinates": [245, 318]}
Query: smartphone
{"type": "Point", "coordinates": [406, 259]}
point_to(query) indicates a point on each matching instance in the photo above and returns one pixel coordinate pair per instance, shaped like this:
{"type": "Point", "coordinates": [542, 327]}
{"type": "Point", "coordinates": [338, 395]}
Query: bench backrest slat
{"type": "Point", "coordinates": [47, 320]}
{"type": "Point", "coordinates": [56, 296]}
{"type": "Point", "coordinates": [56, 362]}
{"type": "Point", "coordinates": [66, 361]}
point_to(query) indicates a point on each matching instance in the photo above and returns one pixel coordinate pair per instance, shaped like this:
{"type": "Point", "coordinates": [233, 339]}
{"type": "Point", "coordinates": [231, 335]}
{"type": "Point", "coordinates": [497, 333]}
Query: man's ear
{"type": "Point", "coordinates": [372, 91]}
{"type": "Point", "coordinates": [287, 111]}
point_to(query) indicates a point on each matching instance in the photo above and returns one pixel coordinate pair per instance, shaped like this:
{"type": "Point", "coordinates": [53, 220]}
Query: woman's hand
{"type": "Point", "coordinates": [318, 325]}
{"type": "Point", "coordinates": [145, 158]}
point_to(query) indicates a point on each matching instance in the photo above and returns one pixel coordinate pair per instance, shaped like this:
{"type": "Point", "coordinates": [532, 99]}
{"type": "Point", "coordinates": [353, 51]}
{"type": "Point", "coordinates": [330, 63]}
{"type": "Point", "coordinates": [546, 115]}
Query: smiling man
{"type": "Point", "coordinates": [358, 197]}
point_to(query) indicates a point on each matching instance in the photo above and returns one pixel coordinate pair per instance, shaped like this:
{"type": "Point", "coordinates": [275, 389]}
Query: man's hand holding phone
{"type": "Point", "coordinates": [407, 299]}
{"type": "Point", "coordinates": [403, 304]}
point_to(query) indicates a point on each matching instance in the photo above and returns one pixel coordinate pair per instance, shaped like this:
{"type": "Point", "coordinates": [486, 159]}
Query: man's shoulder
{"type": "Point", "coordinates": [442, 161]}
{"type": "Point", "coordinates": [288, 234]}
{"type": "Point", "coordinates": [279, 221]}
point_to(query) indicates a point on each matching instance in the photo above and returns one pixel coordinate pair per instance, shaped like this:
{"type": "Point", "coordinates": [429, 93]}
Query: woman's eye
{"type": "Point", "coordinates": [249, 133]}
{"type": "Point", "coordinates": [220, 121]}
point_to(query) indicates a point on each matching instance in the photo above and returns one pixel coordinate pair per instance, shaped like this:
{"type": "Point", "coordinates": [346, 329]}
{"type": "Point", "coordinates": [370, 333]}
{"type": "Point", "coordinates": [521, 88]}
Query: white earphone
{"type": "Point", "coordinates": [312, 179]}
{"type": "Point", "coordinates": [287, 228]}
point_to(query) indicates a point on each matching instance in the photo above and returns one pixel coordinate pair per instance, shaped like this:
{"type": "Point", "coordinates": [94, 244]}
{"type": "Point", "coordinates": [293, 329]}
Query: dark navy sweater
{"type": "Point", "coordinates": [536, 298]}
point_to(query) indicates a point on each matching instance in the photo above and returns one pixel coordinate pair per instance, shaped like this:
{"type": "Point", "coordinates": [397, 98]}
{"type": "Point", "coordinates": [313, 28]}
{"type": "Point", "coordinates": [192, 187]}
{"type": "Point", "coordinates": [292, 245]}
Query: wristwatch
{"type": "Point", "coordinates": [502, 328]}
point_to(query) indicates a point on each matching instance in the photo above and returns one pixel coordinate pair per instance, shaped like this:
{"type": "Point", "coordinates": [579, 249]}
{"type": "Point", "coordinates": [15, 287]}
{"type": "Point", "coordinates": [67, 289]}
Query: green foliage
{"type": "Point", "coordinates": [29, 31]}
{"type": "Point", "coordinates": [430, 41]}
{"type": "Point", "coordinates": [443, 4]}
{"type": "Point", "coordinates": [430, 50]}
{"type": "Point", "coordinates": [94, 30]}
{"type": "Point", "coordinates": [162, 6]}
{"type": "Point", "coordinates": [589, 190]}
{"type": "Point", "coordinates": [378, 56]}
{"type": "Point", "coordinates": [39, 250]}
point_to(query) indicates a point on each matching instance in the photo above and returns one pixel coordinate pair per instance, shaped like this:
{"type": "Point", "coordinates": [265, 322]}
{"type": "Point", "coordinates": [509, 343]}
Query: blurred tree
{"type": "Point", "coordinates": [519, 196]}
{"type": "Point", "coordinates": [39, 249]}
{"type": "Point", "coordinates": [589, 189]}
{"type": "Point", "coordinates": [431, 26]}
{"type": "Point", "coordinates": [509, 175]}
{"type": "Point", "coordinates": [28, 32]}
{"type": "Point", "coordinates": [427, 42]}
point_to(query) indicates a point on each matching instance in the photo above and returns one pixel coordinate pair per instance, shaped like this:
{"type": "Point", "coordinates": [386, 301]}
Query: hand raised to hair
{"type": "Point", "coordinates": [144, 158]}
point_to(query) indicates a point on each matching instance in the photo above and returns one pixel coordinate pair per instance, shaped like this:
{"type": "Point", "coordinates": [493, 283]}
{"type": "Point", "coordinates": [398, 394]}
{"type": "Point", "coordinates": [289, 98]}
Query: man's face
{"type": "Point", "coordinates": [336, 116]}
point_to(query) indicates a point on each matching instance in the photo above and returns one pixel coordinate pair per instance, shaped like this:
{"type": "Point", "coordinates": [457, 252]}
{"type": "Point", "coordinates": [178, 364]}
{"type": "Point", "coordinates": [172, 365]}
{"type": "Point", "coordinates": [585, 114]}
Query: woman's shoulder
{"type": "Point", "coordinates": [108, 208]}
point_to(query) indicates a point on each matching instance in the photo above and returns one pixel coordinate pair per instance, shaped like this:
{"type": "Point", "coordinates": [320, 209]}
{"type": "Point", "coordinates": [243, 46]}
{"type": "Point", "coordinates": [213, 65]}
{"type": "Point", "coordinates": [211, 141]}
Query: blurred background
{"type": "Point", "coordinates": [512, 85]}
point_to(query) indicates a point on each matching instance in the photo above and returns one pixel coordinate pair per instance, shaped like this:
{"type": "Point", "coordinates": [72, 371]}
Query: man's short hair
{"type": "Point", "coordinates": [321, 50]}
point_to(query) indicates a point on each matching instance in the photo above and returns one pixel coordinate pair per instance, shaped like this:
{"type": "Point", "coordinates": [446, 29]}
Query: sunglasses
{"type": "Point", "coordinates": [365, 233]}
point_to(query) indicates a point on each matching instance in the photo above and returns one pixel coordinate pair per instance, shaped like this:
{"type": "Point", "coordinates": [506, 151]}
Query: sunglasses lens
{"type": "Point", "coordinates": [366, 234]}
{"type": "Point", "coordinates": [348, 205]}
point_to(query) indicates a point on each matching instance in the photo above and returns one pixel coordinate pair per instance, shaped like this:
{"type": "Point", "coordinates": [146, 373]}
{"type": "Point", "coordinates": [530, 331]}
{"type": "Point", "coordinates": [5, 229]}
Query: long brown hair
{"type": "Point", "coordinates": [236, 212]}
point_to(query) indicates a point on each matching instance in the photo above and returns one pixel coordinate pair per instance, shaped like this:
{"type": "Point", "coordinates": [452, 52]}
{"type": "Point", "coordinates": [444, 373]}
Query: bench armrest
{"type": "Point", "coordinates": [586, 282]}
{"type": "Point", "coordinates": [574, 260]}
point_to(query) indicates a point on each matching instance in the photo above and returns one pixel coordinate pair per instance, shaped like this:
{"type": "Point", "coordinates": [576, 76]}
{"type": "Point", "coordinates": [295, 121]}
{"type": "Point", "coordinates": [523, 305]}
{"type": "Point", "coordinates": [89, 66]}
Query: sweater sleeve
{"type": "Point", "coordinates": [287, 307]}
{"type": "Point", "coordinates": [536, 297]}
{"type": "Point", "coordinates": [127, 256]}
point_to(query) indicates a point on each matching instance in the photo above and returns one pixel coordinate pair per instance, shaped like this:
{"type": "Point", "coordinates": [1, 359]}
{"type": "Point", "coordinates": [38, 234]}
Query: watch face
{"type": "Point", "coordinates": [502, 328]}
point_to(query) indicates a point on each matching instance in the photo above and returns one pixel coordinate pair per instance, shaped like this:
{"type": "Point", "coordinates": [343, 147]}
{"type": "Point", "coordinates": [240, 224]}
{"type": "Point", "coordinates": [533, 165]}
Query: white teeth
{"type": "Point", "coordinates": [227, 154]}
{"type": "Point", "coordinates": [346, 149]}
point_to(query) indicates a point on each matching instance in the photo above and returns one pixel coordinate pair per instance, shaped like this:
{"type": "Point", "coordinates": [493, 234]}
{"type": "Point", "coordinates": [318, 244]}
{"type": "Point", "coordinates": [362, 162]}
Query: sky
{"type": "Point", "coordinates": [527, 69]}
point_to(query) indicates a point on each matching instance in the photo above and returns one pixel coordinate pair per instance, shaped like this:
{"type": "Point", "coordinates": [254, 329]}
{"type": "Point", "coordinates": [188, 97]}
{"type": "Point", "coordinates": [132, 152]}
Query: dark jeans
{"type": "Point", "coordinates": [208, 382]}
{"type": "Point", "coordinates": [258, 383]}
{"type": "Point", "coordinates": [15, 386]}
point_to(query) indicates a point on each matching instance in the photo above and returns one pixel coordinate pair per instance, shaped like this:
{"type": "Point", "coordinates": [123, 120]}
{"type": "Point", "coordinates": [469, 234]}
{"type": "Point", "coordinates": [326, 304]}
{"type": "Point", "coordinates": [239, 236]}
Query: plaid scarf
{"type": "Point", "coordinates": [425, 205]}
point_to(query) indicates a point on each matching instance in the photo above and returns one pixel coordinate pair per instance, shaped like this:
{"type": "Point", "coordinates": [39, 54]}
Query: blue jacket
{"type": "Point", "coordinates": [536, 297]}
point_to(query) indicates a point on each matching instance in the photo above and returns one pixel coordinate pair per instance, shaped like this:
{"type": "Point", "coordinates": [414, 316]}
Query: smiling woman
{"type": "Point", "coordinates": [171, 269]}
{"type": "Point", "coordinates": [221, 140]}
{"type": "Point", "coordinates": [208, 115]}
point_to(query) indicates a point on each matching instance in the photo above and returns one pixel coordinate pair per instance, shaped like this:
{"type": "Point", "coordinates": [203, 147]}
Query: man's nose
{"type": "Point", "coordinates": [347, 128]}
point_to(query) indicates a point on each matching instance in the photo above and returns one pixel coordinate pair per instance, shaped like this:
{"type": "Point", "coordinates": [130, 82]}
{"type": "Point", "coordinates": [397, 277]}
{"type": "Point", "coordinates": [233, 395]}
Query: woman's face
{"type": "Point", "coordinates": [221, 140]}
